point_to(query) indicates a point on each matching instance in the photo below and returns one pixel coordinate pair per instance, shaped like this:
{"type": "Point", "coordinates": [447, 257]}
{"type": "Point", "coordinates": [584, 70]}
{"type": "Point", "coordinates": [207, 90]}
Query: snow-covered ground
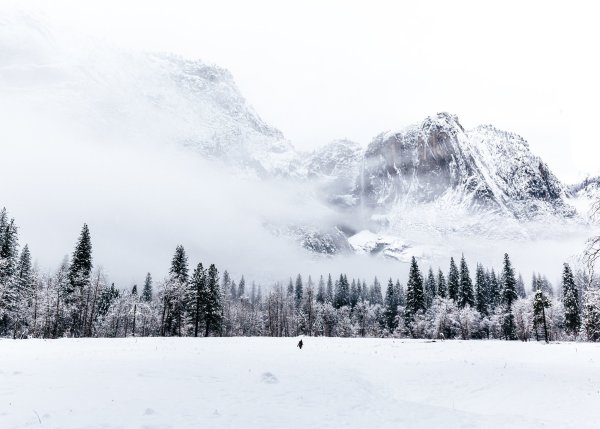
{"type": "Point", "coordinates": [270, 383]}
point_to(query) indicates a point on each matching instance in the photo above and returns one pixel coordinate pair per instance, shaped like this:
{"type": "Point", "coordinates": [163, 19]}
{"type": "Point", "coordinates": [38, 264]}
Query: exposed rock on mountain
{"type": "Point", "coordinates": [483, 169]}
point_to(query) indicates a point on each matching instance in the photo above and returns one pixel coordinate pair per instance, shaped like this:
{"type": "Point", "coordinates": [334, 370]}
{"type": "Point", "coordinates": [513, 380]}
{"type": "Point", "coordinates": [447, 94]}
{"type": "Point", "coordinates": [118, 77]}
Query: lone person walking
{"type": "Point", "coordinates": [300, 344]}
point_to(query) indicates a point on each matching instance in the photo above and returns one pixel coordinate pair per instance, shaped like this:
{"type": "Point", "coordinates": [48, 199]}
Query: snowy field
{"type": "Point", "coordinates": [270, 383]}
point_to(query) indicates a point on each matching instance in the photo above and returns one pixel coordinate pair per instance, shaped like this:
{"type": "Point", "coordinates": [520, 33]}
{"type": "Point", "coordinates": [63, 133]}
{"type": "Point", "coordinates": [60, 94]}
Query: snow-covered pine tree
{"type": "Point", "coordinates": [391, 306]}
{"type": "Point", "coordinates": [3, 223]}
{"type": "Point", "coordinates": [174, 294]}
{"type": "Point", "coordinates": [196, 297]}
{"type": "Point", "coordinates": [147, 291]}
{"type": "Point", "coordinates": [321, 291]}
{"type": "Point", "coordinates": [79, 279]}
{"type": "Point", "coordinates": [591, 313]}
{"type": "Point", "coordinates": [453, 281]}
{"type": "Point", "coordinates": [465, 291]}
{"type": "Point", "coordinates": [509, 295]}
{"type": "Point", "coordinates": [212, 305]}
{"type": "Point", "coordinates": [298, 291]}
{"type": "Point", "coordinates": [20, 291]}
{"type": "Point", "coordinates": [494, 290]}
{"type": "Point", "coordinates": [241, 290]}
{"type": "Point", "coordinates": [354, 293]}
{"type": "Point", "coordinates": [399, 291]}
{"type": "Point", "coordinates": [329, 290]}
{"type": "Point", "coordinates": [179, 265]}
{"type": "Point", "coordinates": [430, 288]}
{"type": "Point", "coordinates": [226, 285]}
{"type": "Point", "coordinates": [375, 295]}
{"type": "Point", "coordinates": [9, 251]}
{"type": "Point", "coordinates": [342, 292]}
{"type": "Point", "coordinates": [521, 287]}
{"type": "Point", "coordinates": [535, 284]}
{"type": "Point", "coordinates": [253, 292]}
{"type": "Point", "coordinates": [415, 296]}
{"type": "Point", "coordinates": [308, 309]}
{"type": "Point", "coordinates": [481, 290]}
{"type": "Point", "coordinates": [570, 301]}
{"type": "Point", "coordinates": [442, 289]}
{"type": "Point", "coordinates": [547, 287]}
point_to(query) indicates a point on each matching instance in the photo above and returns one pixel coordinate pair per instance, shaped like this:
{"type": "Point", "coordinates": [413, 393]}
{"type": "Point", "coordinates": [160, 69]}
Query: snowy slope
{"type": "Point", "coordinates": [584, 195]}
{"type": "Point", "coordinates": [267, 383]}
{"type": "Point", "coordinates": [131, 95]}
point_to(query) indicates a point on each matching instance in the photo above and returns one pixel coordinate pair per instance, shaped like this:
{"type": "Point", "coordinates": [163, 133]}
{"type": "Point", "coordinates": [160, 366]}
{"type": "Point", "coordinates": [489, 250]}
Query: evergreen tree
{"type": "Point", "coordinates": [174, 301]}
{"type": "Point", "coordinates": [321, 291]}
{"type": "Point", "coordinates": [521, 287]}
{"type": "Point", "coordinates": [179, 265]}
{"type": "Point", "coordinates": [79, 278]}
{"type": "Point", "coordinates": [233, 291]}
{"type": "Point", "coordinates": [376, 296]}
{"type": "Point", "coordinates": [342, 293]}
{"type": "Point", "coordinates": [591, 313]}
{"type": "Point", "coordinates": [546, 286]}
{"type": "Point", "coordinates": [481, 291]}
{"type": "Point", "coordinates": [81, 264]}
{"type": "Point", "coordinates": [391, 306]}
{"type": "Point", "coordinates": [3, 223]}
{"type": "Point", "coordinates": [20, 292]}
{"type": "Point", "coordinates": [299, 291]}
{"type": "Point", "coordinates": [442, 289]}
{"type": "Point", "coordinates": [147, 292]}
{"type": "Point", "coordinates": [329, 290]}
{"type": "Point", "coordinates": [241, 291]}
{"type": "Point", "coordinates": [366, 293]}
{"type": "Point", "coordinates": [253, 293]}
{"type": "Point", "coordinates": [466, 295]}
{"type": "Point", "coordinates": [453, 281]}
{"type": "Point", "coordinates": [24, 270]}
{"type": "Point", "coordinates": [535, 284]}
{"type": "Point", "coordinates": [415, 297]}
{"type": "Point", "coordinates": [509, 296]}
{"type": "Point", "coordinates": [494, 292]}
{"type": "Point", "coordinates": [570, 301]}
{"type": "Point", "coordinates": [197, 297]}
{"type": "Point", "coordinates": [212, 305]}
{"type": "Point", "coordinates": [226, 284]}
{"type": "Point", "coordinates": [8, 251]}
{"type": "Point", "coordinates": [290, 288]}
{"type": "Point", "coordinates": [107, 297]}
{"type": "Point", "coordinates": [354, 293]}
{"type": "Point", "coordinates": [399, 290]}
{"type": "Point", "coordinates": [134, 290]}
{"type": "Point", "coordinates": [430, 288]}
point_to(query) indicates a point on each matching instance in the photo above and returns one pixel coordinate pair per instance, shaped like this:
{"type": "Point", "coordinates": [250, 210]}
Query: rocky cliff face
{"type": "Point", "coordinates": [482, 169]}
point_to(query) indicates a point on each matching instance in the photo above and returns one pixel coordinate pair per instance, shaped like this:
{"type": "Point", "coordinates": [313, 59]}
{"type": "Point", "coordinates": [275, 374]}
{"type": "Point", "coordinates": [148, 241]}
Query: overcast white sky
{"type": "Point", "coordinates": [321, 70]}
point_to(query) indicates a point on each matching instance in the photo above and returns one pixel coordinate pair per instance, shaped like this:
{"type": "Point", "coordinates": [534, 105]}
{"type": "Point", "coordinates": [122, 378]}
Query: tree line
{"type": "Point", "coordinates": [76, 300]}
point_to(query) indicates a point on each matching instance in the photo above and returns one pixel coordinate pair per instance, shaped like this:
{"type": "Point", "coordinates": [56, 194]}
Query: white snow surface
{"type": "Point", "coordinates": [270, 383]}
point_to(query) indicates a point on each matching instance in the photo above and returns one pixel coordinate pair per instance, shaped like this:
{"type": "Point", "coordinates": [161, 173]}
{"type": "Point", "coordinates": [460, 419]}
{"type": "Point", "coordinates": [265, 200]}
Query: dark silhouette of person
{"type": "Point", "coordinates": [300, 344]}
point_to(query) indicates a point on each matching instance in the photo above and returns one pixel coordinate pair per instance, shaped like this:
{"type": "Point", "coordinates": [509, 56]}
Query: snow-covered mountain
{"type": "Point", "coordinates": [484, 169]}
{"type": "Point", "coordinates": [128, 94]}
{"type": "Point", "coordinates": [404, 193]}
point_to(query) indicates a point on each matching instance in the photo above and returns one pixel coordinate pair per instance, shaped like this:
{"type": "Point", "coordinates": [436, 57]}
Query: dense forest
{"type": "Point", "coordinates": [77, 300]}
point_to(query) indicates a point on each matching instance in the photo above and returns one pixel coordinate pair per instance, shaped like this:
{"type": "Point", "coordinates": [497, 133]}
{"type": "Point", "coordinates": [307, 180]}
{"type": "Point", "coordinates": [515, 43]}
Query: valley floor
{"type": "Point", "coordinates": [270, 383]}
